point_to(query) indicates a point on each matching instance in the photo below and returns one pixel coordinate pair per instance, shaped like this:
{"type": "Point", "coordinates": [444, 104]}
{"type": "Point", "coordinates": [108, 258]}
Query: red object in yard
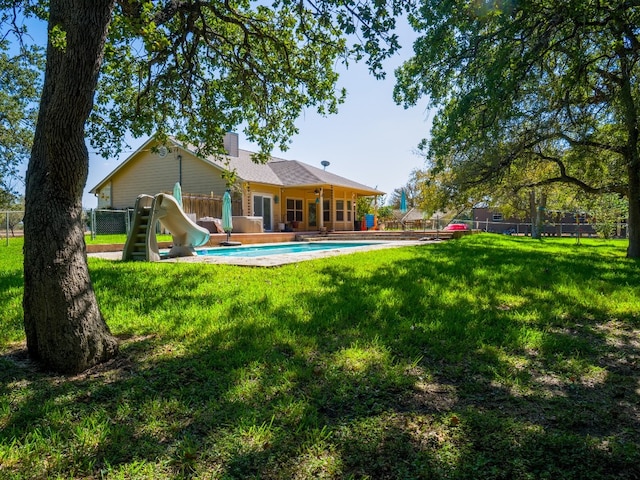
{"type": "Point", "coordinates": [456, 226]}
{"type": "Point", "coordinates": [363, 225]}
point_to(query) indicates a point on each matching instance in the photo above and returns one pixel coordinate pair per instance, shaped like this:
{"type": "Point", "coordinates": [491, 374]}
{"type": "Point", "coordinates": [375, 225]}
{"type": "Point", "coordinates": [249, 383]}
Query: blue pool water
{"type": "Point", "coordinates": [264, 250]}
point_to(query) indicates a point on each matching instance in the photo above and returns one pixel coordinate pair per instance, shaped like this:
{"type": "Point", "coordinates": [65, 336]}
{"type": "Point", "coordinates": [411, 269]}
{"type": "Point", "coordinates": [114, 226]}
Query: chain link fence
{"type": "Point", "coordinates": [552, 229]}
{"type": "Point", "coordinates": [97, 222]}
{"type": "Point", "coordinates": [112, 222]}
{"type": "Point", "coordinates": [109, 222]}
{"type": "Point", "coordinates": [11, 223]}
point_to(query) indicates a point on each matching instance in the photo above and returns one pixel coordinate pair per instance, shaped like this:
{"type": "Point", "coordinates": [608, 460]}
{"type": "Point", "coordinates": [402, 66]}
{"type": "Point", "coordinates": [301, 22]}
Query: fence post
{"type": "Point", "coordinates": [93, 224]}
{"type": "Point", "coordinates": [127, 221]}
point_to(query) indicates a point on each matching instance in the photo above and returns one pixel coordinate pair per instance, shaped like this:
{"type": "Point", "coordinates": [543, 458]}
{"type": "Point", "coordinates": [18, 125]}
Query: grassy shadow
{"type": "Point", "coordinates": [482, 358]}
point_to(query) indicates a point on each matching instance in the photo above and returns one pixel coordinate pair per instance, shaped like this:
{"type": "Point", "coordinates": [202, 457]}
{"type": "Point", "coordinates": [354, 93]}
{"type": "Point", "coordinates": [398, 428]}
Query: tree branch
{"type": "Point", "coordinates": [566, 178]}
{"type": "Point", "coordinates": [593, 144]}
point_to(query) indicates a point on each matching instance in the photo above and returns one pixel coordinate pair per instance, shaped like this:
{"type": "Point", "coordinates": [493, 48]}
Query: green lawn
{"type": "Point", "coordinates": [118, 239]}
{"type": "Point", "coordinates": [487, 357]}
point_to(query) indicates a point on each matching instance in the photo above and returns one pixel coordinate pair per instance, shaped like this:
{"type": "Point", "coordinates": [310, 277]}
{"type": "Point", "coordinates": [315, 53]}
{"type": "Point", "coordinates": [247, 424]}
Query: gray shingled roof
{"type": "Point", "coordinates": [287, 173]}
{"type": "Point", "coordinates": [277, 171]}
{"type": "Point", "coordinates": [247, 169]}
{"type": "Point", "coordinates": [294, 173]}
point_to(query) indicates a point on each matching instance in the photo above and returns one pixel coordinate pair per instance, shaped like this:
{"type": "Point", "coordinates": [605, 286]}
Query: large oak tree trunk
{"type": "Point", "coordinates": [633, 221]}
{"type": "Point", "coordinates": [64, 327]}
{"type": "Point", "coordinates": [632, 156]}
{"type": "Point", "coordinates": [537, 207]}
{"type": "Point", "coordinates": [633, 171]}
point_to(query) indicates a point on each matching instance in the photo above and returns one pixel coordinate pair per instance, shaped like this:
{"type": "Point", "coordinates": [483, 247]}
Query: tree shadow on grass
{"type": "Point", "coordinates": [390, 375]}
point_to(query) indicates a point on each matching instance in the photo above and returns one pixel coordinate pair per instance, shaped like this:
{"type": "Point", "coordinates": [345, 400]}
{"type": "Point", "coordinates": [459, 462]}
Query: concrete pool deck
{"type": "Point", "coordinates": [277, 259]}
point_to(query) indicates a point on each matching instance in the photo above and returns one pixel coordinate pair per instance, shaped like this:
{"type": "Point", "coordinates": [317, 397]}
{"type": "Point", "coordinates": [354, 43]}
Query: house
{"type": "Point", "coordinates": [285, 193]}
{"type": "Point", "coordinates": [416, 219]}
{"type": "Point", "coordinates": [412, 219]}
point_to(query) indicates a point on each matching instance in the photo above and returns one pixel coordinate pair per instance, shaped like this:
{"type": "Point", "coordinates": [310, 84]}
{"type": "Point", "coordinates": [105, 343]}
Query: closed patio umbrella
{"type": "Point", "coordinates": [227, 223]}
{"type": "Point", "coordinates": [177, 193]}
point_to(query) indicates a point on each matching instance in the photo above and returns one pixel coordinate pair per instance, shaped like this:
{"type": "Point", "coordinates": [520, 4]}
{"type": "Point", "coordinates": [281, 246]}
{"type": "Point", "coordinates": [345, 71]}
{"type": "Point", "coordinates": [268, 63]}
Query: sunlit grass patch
{"type": "Point", "coordinates": [487, 357]}
{"type": "Point", "coordinates": [117, 239]}
{"type": "Point", "coordinates": [318, 458]}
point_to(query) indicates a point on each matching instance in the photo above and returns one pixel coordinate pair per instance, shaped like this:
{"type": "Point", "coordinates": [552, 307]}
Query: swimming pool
{"type": "Point", "coordinates": [280, 249]}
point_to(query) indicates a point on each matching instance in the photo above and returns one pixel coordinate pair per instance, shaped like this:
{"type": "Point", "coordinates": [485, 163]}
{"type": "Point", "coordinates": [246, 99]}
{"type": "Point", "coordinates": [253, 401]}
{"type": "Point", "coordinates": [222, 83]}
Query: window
{"type": "Point", "coordinates": [349, 210]}
{"type": "Point", "coordinates": [339, 210]}
{"type": "Point", "coordinates": [294, 210]}
{"type": "Point", "coordinates": [326, 211]}
{"type": "Point", "coordinates": [497, 217]}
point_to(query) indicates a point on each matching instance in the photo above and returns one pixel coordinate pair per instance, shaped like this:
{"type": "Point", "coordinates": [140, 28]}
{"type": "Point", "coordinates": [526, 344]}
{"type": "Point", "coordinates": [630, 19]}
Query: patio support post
{"type": "Point", "coordinates": [332, 210]}
{"type": "Point", "coordinates": [321, 214]}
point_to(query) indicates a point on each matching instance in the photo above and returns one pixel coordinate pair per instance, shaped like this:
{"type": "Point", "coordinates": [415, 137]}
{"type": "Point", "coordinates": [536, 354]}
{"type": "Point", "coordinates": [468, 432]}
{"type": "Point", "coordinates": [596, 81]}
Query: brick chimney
{"type": "Point", "coordinates": [231, 144]}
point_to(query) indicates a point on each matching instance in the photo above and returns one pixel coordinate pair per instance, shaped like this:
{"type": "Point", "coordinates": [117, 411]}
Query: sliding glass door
{"type": "Point", "coordinates": [262, 208]}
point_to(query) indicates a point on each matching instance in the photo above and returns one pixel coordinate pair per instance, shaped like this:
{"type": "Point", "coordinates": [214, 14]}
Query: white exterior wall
{"type": "Point", "coordinates": [199, 177]}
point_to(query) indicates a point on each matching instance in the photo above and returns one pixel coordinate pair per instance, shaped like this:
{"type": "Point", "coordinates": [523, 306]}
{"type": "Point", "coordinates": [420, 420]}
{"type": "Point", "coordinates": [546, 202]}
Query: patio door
{"type": "Point", "coordinates": [312, 213]}
{"type": "Point", "coordinates": [262, 208]}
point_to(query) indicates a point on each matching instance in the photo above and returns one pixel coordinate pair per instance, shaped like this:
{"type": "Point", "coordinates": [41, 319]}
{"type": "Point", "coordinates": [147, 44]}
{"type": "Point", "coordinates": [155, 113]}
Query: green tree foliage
{"type": "Point", "coordinates": [607, 212]}
{"type": "Point", "coordinates": [364, 206]}
{"type": "Point", "coordinates": [201, 68]}
{"type": "Point", "coordinates": [411, 191]}
{"type": "Point", "coordinates": [385, 213]}
{"type": "Point", "coordinates": [20, 79]}
{"type": "Point", "coordinates": [193, 68]}
{"type": "Point", "coordinates": [546, 87]}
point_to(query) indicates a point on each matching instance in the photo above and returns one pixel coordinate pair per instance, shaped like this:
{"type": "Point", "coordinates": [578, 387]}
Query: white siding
{"type": "Point", "coordinates": [200, 177]}
{"type": "Point", "coordinates": [151, 174]}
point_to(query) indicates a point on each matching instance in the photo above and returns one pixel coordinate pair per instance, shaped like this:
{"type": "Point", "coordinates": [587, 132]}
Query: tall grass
{"type": "Point", "coordinates": [487, 357]}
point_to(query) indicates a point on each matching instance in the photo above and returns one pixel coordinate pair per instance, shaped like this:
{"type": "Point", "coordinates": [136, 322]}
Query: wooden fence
{"type": "Point", "coordinates": [208, 205]}
{"type": "Point", "coordinates": [418, 224]}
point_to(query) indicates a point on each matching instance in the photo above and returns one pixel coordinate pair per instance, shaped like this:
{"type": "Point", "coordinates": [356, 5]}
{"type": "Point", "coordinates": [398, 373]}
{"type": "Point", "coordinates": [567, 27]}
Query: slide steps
{"type": "Point", "coordinates": [142, 243]}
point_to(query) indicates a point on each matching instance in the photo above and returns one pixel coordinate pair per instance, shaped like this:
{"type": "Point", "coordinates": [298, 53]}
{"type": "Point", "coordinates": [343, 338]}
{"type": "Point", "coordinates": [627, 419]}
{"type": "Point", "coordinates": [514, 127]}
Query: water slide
{"type": "Point", "coordinates": [141, 242]}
